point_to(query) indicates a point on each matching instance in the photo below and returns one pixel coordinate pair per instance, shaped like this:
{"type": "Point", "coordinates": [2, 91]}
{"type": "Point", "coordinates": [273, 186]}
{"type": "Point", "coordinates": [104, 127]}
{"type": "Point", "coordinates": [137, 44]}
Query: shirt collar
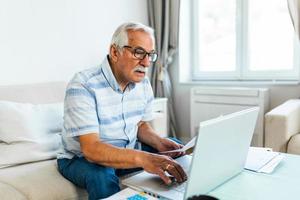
{"type": "Point", "coordinates": [108, 74]}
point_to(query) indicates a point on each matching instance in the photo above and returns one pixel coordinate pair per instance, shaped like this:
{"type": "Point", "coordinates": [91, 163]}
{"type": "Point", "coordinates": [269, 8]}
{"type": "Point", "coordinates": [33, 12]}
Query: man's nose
{"type": "Point", "coordinates": [145, 61]}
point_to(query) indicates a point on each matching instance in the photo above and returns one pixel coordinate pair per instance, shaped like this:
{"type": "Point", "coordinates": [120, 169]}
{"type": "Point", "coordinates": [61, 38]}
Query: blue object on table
{"type": "Point", "coordinates": [137, 197]}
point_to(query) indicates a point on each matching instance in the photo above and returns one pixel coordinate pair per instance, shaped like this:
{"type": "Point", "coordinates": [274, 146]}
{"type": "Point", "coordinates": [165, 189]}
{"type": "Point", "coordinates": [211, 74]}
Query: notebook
{"type": "Point", "coordinates": [262, 159]}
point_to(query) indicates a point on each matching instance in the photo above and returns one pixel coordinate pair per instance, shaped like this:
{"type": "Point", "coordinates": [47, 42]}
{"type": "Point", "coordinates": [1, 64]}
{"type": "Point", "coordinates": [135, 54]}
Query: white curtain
{"type": "Point", "coordinates": [294, 9]}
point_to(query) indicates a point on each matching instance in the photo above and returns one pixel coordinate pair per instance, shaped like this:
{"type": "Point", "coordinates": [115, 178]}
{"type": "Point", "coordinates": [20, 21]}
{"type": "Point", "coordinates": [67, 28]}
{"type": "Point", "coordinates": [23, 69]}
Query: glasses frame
{"type": "Point", "coordinates": [152, 56]}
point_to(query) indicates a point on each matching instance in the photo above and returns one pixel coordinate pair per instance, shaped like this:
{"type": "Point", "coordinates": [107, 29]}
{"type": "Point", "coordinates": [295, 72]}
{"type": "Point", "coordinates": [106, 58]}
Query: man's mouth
{"type": "Point", "coordinates": [140, 72]}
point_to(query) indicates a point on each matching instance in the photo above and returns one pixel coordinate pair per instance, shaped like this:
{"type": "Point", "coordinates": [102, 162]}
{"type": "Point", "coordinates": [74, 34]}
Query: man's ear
{"type": "Point", "coordinates": [114, 53]}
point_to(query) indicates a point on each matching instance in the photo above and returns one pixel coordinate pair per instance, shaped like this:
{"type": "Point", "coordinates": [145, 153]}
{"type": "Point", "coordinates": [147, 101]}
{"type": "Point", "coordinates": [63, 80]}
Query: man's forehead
{"type": "Point", "coordinates": [141, 39]}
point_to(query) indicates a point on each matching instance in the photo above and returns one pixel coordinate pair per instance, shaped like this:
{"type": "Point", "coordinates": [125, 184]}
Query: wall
{"type": "Point", "coordinates": [278, 94]}
{"type": "Point", "coordinates": [50, 40]}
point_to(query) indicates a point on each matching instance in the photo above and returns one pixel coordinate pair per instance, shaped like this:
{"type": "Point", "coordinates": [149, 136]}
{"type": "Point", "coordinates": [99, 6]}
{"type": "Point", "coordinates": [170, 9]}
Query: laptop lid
{"type": "Point", "coordinates": [219, 154]}
{"type": "Point", "coordinates": [221, 150]}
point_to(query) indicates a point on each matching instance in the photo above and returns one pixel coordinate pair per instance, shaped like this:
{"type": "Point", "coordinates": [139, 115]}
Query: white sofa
{"type": "Point", "coordinates": [30, 126]}
{"type": "Point", "coordinates": [282, 127]}
{"type": "Point", "coordinates": [28, 168]}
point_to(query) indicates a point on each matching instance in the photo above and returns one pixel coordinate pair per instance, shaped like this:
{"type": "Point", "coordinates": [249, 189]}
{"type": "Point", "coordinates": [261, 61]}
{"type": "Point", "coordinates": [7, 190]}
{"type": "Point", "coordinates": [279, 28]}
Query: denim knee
{"type": "Point", "coordinates": [102, 184]}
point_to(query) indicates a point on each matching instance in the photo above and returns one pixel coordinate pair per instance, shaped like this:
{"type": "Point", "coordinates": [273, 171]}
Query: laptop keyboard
{"type": "Point", "coordinates": [179, 187]}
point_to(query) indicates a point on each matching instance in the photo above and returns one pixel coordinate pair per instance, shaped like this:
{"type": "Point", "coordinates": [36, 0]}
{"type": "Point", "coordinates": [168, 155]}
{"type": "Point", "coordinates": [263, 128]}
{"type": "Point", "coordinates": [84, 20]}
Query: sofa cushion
{"type": "Point", "coordinates": [26, 152]}
{"type": "Point", "coordinates": [8, 192]}
{"type": "Point", "coordinates": [29, 132]}
{"type": "Point", "coordinates": [41, 180]}
{"type": "Point", "coordinates": [294, 145]}
{"type": "Point", "coordinates": [28, 122]}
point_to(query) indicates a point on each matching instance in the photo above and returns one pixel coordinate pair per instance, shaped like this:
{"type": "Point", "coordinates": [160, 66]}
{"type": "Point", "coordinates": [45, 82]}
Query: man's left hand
{"type": "Point", "coordinates": [168, 145]}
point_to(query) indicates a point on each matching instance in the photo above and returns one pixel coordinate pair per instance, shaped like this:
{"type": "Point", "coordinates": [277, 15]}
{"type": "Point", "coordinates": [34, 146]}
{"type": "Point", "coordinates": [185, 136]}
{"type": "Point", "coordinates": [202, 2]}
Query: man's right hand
{"type": "Point", "coordinates": [159, 164]}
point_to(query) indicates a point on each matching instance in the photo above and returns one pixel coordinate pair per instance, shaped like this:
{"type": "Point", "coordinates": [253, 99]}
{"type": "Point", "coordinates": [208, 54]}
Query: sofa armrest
{"type": "Point", "coordinates": [281, 123]}
{"type": "Point", "coordinates": [159, 123]}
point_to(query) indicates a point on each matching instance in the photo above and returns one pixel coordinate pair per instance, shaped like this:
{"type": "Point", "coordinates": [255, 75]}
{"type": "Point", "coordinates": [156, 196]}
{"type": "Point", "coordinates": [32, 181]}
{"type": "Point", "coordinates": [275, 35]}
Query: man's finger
{"type": "Point", "coordinates": [164, 177]}
{"type": "Point", "coordinates": [181, 172]}
{"type": "Point", "coordinates": [176, 170]}
{"type": "Point", "coordinates": [171, 169]}
{"type": "Point", "coordinates": [177, 146]}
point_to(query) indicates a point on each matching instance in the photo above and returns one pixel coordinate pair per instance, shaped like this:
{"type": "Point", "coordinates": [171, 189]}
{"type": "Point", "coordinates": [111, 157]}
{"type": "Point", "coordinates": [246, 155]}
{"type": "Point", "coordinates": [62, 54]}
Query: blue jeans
{"type": "Point", "coordinates": [99, 181]}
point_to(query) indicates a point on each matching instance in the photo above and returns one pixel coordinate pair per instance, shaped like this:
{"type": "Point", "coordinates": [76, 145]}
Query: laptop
{"type": "Point", "coordinates": [220, 153]}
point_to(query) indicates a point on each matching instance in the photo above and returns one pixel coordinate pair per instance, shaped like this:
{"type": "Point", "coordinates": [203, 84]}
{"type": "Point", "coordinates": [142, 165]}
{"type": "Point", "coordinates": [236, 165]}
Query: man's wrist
{"type": "Point", "coordinates": [158, 143]}
{"type": "Point", "coordinates": [140, 158]}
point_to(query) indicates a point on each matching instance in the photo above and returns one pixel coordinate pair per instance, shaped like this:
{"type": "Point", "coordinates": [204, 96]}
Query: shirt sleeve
{"type": "Point", "coordinates": [80, 114]}
{"type": "Point", "coordinates": [148, 114]}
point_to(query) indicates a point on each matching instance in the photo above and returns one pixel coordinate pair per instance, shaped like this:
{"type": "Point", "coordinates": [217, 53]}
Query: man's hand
{"type": "Point", "coordinates": [168, 145]}
{"type": "Point", "coordinates": [159, 164]}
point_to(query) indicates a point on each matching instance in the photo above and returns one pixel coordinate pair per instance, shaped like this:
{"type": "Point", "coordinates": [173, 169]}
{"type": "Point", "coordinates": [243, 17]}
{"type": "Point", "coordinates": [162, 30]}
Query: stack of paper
{"type": "Point", "coordinates": [262, 159]}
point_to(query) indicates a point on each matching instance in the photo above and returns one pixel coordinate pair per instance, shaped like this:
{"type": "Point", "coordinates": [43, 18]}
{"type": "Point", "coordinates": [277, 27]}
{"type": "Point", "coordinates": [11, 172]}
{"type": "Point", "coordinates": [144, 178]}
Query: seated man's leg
{"type": "Point", "coordinates": [99, 181]}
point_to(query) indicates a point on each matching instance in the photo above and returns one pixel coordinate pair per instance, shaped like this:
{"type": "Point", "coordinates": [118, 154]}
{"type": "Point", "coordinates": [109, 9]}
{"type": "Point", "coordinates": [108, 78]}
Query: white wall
{"type": "Point", "coordinates": [278, 94]}
{"type": "Point", "coordinates": [50, 40]}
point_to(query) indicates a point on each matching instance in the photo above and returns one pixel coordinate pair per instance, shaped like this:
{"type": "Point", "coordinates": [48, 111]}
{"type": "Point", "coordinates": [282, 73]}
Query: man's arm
{"type": "Point", "coordinates": [105, 154]}
{"type": "Point", "coordinates": [147, 135]}
{"type": "Point", "coordinates": [108, 155]}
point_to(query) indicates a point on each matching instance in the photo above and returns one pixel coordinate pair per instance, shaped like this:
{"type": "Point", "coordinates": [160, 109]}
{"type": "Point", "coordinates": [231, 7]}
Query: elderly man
{"type": "Point", "coordinates": [107, 108]}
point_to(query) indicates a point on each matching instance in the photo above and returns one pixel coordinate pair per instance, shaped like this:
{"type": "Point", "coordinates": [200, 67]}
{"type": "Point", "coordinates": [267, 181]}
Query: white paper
{"type": "Point", "coordinates": [269, 167]}
{"type": "Point", "coordinates": [262, 160]}
{"type": "Point", "coordinates": [189, 145]}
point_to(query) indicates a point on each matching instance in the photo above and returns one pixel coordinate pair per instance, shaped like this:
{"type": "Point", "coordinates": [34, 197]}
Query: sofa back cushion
{"type": "Point", "coordinates": [29, 132]}
{"type": "Point", "coordinates": [36, 93]}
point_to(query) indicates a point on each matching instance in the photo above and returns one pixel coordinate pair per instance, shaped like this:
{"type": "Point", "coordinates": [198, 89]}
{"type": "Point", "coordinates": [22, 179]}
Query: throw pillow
{"type": "Point", "coordinates": [29, 132]}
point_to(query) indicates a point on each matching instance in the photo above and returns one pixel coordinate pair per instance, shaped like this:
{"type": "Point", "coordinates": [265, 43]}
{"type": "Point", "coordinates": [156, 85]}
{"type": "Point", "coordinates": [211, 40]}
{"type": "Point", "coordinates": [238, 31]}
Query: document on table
{"type": "Point", "coordinates": [189, 145]}
{"type": "Point", "coordinates": [262, 160]}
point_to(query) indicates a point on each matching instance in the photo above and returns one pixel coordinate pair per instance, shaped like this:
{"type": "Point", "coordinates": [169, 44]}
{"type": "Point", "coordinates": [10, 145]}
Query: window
{"type": "Point", "coordinates": [243, 40]}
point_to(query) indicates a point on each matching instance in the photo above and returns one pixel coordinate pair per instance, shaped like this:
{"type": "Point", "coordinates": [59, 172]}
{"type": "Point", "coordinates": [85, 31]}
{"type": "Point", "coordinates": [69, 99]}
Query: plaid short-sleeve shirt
{"type": "Point", "coordinates": [94, 103]}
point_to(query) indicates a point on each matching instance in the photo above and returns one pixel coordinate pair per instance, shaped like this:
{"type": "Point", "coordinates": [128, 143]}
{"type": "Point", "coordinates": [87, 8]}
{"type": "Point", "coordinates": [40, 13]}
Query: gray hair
{"type": "Point", "coordinates": [120, 36]}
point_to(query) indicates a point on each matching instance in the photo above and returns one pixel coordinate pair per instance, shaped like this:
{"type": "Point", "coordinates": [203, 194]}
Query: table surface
{"type": "Point", "coordinates": [282, 183]}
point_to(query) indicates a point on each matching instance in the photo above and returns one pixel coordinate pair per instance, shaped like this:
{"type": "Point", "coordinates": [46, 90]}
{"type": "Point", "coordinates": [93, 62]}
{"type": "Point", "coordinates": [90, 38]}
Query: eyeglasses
{"type": "Point", "coordinates": [140, 53]}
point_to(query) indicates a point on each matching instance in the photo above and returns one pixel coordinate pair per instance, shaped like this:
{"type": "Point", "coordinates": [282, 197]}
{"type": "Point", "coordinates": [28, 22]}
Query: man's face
{"type": "Point", "coordinates": [129, 68]}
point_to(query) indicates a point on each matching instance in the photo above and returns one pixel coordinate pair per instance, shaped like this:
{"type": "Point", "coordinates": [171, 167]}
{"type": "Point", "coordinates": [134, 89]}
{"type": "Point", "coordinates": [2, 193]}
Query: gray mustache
{"type": "Point", "coordinates": [141, 69]}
